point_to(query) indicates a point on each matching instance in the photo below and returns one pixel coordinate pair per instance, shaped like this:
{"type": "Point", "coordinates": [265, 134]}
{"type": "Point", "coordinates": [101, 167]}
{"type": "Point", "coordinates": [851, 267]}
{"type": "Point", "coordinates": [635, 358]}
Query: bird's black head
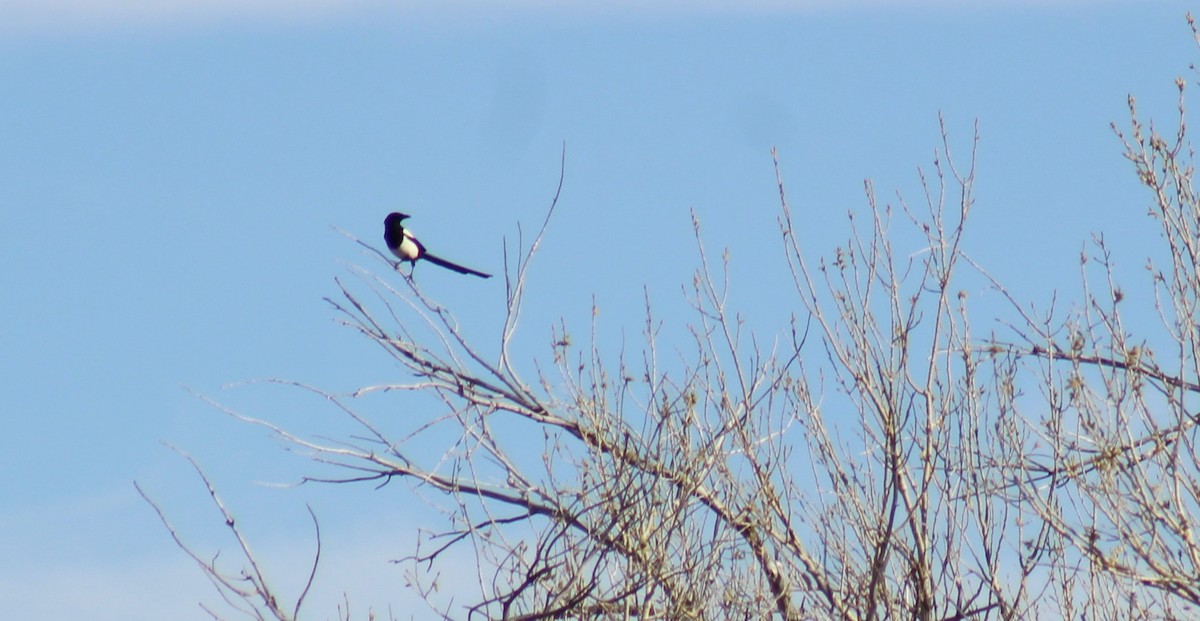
{"type": "Point", "coordinates": [393, 231]}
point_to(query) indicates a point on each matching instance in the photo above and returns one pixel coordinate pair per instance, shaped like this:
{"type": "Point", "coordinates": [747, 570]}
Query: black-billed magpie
{"type": "Point", "coordinates": [406, 247]}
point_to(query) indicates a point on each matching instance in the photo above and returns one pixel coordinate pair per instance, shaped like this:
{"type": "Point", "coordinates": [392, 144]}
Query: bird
{"type": "Point", "coordinates": [406, 247]}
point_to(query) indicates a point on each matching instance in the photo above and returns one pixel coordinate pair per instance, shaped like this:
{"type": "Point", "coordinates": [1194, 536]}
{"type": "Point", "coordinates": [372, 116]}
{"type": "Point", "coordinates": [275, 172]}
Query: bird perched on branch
{"type": "Point", "coordinates": [406, 247]}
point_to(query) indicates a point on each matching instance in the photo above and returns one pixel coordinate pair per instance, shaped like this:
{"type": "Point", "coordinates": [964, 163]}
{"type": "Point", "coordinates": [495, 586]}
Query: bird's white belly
{"type": "Point", "coordinates": [408, 249]}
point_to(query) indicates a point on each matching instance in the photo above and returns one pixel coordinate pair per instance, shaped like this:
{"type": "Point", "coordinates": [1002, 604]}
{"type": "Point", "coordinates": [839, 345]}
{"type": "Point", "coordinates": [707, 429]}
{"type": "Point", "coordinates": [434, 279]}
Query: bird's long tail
{"type": "Point", "coordinates": [453, 266]}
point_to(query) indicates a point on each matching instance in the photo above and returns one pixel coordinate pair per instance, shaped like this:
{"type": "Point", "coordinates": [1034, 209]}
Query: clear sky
{"type": "Point", "coordinates": [169, 179]}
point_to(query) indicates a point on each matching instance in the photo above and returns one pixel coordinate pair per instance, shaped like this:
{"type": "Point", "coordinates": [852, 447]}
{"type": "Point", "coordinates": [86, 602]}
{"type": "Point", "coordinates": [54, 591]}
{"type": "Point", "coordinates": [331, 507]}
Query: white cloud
{"type": "Point", "coordinates": [168, 585]}
{"type": "Point", "coordinates": [34, 17]}
{"type": "Point", "coordinates": [135, 590]}
{"type": "Point", "coordinates": [50, 16]}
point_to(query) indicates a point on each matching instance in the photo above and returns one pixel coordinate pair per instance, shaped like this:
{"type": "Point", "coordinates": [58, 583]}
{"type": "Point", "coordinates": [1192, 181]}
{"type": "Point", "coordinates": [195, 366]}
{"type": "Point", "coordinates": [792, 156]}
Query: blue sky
{"type": "Point", "coordinates": [169, 180]}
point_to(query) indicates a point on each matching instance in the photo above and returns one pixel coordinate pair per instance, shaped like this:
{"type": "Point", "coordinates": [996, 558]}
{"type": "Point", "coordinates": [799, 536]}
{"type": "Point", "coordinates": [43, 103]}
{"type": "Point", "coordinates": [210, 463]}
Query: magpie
{"type": "Point", "coordinates": [406, 247]}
